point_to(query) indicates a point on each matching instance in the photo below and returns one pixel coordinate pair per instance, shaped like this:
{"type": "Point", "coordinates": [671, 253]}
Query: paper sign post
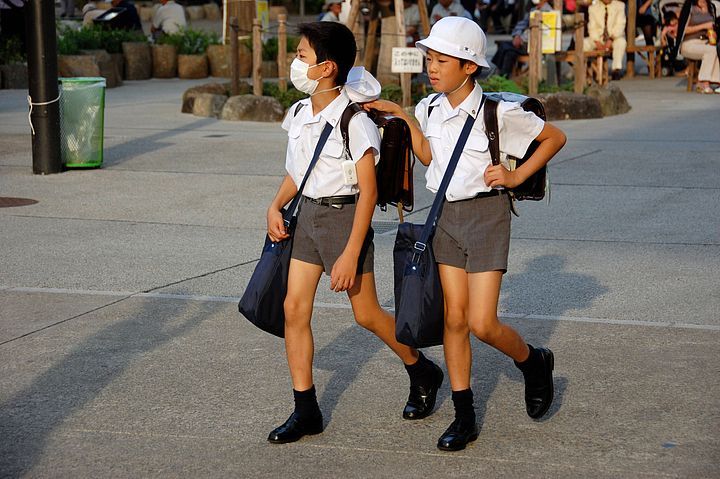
{"type": "Point", "coordinates": [407, 60]}
{"type": "Point", "coordinates": [551, 27]}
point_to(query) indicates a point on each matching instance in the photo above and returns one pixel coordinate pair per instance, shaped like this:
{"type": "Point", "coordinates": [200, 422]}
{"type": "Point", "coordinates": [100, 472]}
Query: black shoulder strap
{"type": "Point", "coordinates": [432, 107]}
{"type": "Point", "coordinates": [298, 108]}
{"type": "Point", "coordinates": [350, 111]}
{"type": "Point", "coordinates": [437, 205]}
{"type": "Point", "coordinates": [491, 129]}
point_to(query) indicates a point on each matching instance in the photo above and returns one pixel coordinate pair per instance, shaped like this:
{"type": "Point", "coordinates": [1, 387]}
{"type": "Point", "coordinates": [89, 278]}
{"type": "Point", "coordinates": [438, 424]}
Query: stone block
{"type": "Point", "coordinates": [252, 108]}
{"type": "Point", "coordinates": [14, 77]}
{"type": "Point", "coordinates": [165, 61]}
{"type": "Point", "coordinates": [78, 66]}
{"type": "Point", "coordinates": [190, 94]}
{"type": "Point", "coordinates": [611, 98]}
{"type": "Point", "coordinates": [106, 66]}
{"type": "Point", "coordinates": [219, 59]}
{"type": "Point", "coordinates": [195, 12]}
{"type": "Point", "coordinates": [208, 105]}
{"type": "Point", "coordinates": [570, 106]}
{"type": "Point", "coordinates": [138, 60]}
{"type": "Point", "coordinates": [192, 66]}
{"type": "Point", "coordinates": [212, 11]}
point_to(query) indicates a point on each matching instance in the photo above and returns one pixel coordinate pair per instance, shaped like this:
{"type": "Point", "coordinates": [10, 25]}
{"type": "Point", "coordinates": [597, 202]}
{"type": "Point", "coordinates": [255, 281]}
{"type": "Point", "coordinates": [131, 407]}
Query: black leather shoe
{"type": "Point", "coordinates": [295, 428]}
{"type": "Point", "coordinates": [615, 75]}
{"type": "Point", "coordinates": [460, 433]}
{"type": "Point", "coordinates": [539, 390]}
{"type": "Point", "coordinates": [421, 400]}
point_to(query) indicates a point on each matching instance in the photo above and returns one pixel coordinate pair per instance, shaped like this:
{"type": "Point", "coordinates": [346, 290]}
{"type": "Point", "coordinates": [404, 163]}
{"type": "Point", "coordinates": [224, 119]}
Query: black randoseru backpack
{"type": "Point", "coordinates": [534, 187]}
{"type": "Point", "coordinates": [394, 171]}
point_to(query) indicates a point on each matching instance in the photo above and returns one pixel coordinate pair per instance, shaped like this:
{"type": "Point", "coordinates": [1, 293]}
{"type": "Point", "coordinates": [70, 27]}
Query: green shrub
{"type": "Point", "coordinates": [71, 41]}
{"type": "Point", "coordinates": [11, 51]}
{"type": "Point", "coordinates": [287, 98]}
{"type": "Point", "coordinates": [391, 92]}
{"type": "Point", "coordinates": [500, 83]}
{"type": "Point", "coordinates": [191, 42]}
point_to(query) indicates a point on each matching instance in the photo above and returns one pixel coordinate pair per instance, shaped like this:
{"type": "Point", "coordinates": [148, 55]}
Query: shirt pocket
{"type": "Point", "coordinates": [335, 149]}
{"type": "Point", "coordinates": [478, 143]}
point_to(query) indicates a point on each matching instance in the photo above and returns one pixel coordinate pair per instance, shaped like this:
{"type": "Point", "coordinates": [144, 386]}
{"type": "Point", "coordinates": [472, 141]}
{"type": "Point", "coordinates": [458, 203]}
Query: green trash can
{"type": "Point", "coordinates": [82, 113]}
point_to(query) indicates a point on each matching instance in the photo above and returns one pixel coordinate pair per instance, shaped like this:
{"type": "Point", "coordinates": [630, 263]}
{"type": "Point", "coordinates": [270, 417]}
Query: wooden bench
{"type": "Point", "coordinates": [597, 68]}
{"type": "Point", "coordinates": [693, 68]}
{"type": "Point", "coordinates": [649, 53]}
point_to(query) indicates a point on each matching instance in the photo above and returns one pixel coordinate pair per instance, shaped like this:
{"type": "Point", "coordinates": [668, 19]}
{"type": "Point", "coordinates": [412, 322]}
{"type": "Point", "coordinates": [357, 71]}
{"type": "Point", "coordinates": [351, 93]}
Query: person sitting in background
{"type": "Point", "coordinates": [606, 32]}
{"type": "Point", "coordinates": [668, 40]}
{"type": "Point", "coordinates": [90, 12]}
{"type": "Point", "coordinates": [412, 22]}
{"type": "Point", "coordinates": [698, 44]}
{"type": "Point", "coordinates": [448, 8]}
{"type": "Point", "coordinates": [334, 8]}
{"type": "Point", "coordinates": [645, 20]}
{"type": "Point", "coordinates": [508, 52]}
{"type": "Point", "coordinates": [168, 19]}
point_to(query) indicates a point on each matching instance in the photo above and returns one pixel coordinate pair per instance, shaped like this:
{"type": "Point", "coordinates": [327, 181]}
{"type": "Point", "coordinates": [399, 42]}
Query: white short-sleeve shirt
{"type": "Point", "coordinates": [169, 17]}
{"type": "Point", "coordinates": [304, 131]}
{"type": "Point", "coordinates": [517, 129]}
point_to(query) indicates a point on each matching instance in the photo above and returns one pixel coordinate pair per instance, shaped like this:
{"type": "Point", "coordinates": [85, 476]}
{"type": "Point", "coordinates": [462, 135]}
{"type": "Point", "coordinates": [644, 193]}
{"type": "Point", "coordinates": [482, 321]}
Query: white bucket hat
{"type": "Point", "coordinates": [361, 86]}
{"type": "Point", "coordinates": [457, 37]}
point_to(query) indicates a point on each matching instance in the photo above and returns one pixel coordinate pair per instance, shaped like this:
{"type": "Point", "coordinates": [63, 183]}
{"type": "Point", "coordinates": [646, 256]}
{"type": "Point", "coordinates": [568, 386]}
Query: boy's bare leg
{"type": "Point", "coordinates": [306, 419]}
{"type": "Point", "coordinates": [425, 376]}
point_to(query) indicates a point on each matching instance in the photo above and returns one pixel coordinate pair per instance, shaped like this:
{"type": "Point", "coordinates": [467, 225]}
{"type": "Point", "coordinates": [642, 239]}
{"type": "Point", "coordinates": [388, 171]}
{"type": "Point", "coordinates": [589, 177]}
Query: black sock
{"type": "Point", "coordinates": [463, 401]}
{"type": "Point", "coordinates": [306, 402]}
{"type": "Point", "coordinates": [421, 371]}
{"type": "Point", "coordinates": [530, 364]}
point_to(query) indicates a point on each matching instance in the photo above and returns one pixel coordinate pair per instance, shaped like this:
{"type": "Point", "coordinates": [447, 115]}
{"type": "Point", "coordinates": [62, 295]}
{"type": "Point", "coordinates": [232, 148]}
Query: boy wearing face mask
{"type": "Point", "coordinates": [333, 233]}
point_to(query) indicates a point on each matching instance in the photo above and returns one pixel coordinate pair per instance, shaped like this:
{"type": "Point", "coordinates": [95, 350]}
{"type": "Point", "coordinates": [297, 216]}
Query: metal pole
{"type": "Point", "coordinates": [43, 86]}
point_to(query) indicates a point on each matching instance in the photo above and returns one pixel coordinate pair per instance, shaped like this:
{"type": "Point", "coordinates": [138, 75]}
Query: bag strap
{"type": "Point", "coordinates": [348, 114]}
{"type": "Point", "coordinates": [318, 148]}
{"type": "Point", "coordinates": [491, 129]}
{"type": "Point", "coordinates": [437, 205]}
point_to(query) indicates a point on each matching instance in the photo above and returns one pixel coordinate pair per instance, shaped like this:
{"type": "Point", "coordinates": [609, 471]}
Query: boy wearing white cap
{"type": "Point", "coordinates": [472, 237]}
{"type": "Point", "coordinates": [333, 232]}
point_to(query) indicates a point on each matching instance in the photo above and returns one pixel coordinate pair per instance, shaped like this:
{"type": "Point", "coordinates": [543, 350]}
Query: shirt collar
{"type": "Point", "coordinates": [469, 105]}
{"type": "Point", "coordinates": [330, 113]}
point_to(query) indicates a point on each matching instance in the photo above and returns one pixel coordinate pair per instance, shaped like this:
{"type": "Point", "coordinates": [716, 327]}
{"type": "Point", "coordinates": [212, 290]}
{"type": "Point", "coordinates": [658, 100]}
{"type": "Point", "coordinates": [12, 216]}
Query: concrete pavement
{"type": "Point", "coordinates": [122, 353]}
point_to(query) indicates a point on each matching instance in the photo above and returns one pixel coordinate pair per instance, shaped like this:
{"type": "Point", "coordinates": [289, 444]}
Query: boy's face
{"type": "Point", "coordinates": [306, 54]}
{"type": "Point", "coordinates": [446, 73]}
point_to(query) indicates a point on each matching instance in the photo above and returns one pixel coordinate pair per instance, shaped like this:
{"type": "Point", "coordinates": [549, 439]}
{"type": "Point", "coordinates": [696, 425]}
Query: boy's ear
{"type": "Point", "coordinates": [330, 69]}
{"type": "Point", "coordinates": [470, 68]}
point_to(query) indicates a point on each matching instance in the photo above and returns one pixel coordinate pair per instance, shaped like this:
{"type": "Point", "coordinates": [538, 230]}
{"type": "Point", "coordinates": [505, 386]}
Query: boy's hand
{"type": "Point", "coordinates": [384, 106]}
{"type": "Point", "coordinates": [498, 175]}
{"type": "Point", "coordinates": [342, 276]}
{"type": "Point", "coordinates": [276, 226]}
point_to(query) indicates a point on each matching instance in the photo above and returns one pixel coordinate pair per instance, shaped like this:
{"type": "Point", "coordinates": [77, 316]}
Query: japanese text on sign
{"type": "Point", "coordinates": [406, 60]}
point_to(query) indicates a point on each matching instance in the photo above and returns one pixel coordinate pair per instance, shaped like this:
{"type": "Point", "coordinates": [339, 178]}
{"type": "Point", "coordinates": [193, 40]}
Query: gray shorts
{"type": "Point", "coordinates": [474, 234]}
{"type": "Point", "coordinates": [322, 233]}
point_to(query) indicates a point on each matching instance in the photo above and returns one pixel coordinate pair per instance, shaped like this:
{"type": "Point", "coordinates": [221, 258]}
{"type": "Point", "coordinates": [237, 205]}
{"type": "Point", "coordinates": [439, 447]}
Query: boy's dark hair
{"type": "Point", "coordinates": [670, 16]}
{"type": "Point", "coordinates": [331, 41]}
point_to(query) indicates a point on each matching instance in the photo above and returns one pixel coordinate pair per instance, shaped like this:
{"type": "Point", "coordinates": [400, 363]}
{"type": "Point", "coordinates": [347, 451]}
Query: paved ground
{"type": "Point", "coordinates": [122, 353]}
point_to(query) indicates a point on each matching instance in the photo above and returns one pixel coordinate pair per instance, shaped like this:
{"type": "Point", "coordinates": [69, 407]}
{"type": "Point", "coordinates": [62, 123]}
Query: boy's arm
{"type": "Point", "coordinates": [342, 276]}
{"type": "Point", "coordinates": [551, 140]}
{"type": "Point", "coordinates": [275, 225]}
{"type": "Point", "coordinates": [420, 145]}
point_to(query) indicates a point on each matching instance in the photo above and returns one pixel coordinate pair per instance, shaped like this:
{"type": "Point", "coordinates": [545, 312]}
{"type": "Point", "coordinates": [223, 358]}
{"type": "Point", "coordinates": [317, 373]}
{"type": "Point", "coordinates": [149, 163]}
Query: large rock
{"type": "Point", "coordinates": [208, 105]}
{"type": "Point", "coordinates": [212, 11]}
{"type": "Point", "coordinates": [192, 66]}
{"type": "Point", "coordinates": [138, 60]}
{"type": "Point", "coordinates": [612, 100]}
{"type": "Point", "coordinates": [107, 67]}
{"type": "Point", "coordinates": [195, 12]}
{"type": "Point", "coordinates": [191, 93]}
{"type": "Point", "coordinates": [219, 59]}
{"type": "Point", "coordinates": [252, 108]}
{"type": "Point", "coordinates": [78, 66]}
{"type": "Point", "coordinates": [164, 61]}
{"type": "Point", "coordinates": [570, 106]}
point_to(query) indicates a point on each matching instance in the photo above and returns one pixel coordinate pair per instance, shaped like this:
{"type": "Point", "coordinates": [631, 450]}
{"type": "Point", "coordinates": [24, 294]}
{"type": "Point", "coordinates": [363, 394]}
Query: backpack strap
{"type": "Point", "coordinates": [348, 114]}
{"type": "Point", "coordinates": [298, 108]}
{"type": "Point", "coordinates": [491, 128]}
{"type": "Point", "coordinates": [432, 107]}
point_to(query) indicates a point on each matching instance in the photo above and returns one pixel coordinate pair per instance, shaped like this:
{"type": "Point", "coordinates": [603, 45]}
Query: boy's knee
{"type": "Point", "coordinates": [296, 311]}
{"type": "Point", "coordinates": [485, 331]}
{"type": "Point", "coordinates": [456, 320]}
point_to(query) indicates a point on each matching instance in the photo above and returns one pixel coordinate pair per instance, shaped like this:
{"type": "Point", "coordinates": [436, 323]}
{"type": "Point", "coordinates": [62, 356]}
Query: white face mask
{"type": "Point", "coordinates": [299, 78]}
